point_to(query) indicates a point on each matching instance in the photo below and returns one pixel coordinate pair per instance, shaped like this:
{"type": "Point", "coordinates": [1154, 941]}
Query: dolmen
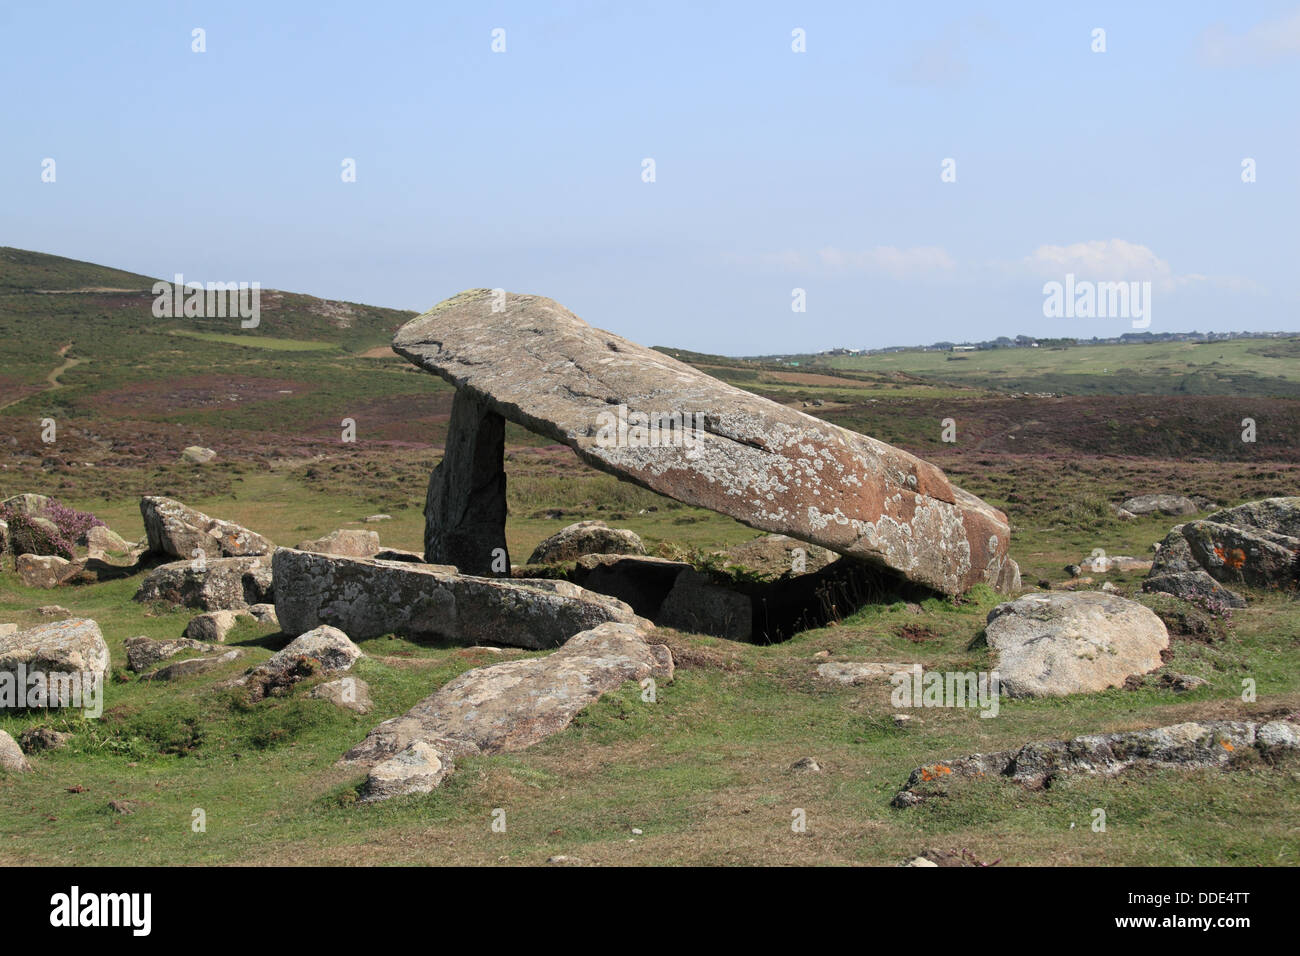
{"type": "Point", "coordinates": [647, 418]}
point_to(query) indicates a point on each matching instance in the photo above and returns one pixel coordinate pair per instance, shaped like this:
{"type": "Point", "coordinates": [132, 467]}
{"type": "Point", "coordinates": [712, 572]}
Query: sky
{"type": "Point", "coordinates": [920, 172]}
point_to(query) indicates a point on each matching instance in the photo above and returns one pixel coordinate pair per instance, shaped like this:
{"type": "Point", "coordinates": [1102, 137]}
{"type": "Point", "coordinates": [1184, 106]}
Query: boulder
{"type": "Point", "coordinates": [45, 571]}
{"type": "Point", "coordinates": [657, 422]}
{"type": "Point", "coordinates": [143, 652]}
{"type": "Point", "coordinates": [194, 666]}
{"type": "Point", "coordinates": [698, 605]}
{"type": "Point", "coordinates": [101, 539]}
{"type": "Point", "coordinates": [1073, 642]}
{"type": "Point", "coordinates": [264, 614]}
{"type": "Point", "coordinates": [28, 504]}
{"type": "Point", "coordinates": [4, 536]}
{"type": "Point", "coordinates": [1196, 587]}
{"type": "Point", "coordinates": [346, 541]}
{"type": "Point", "coordinates": [1231, 554]}
{"type": "Point", "coordinates": [1163, 504]}
{"type": "Point", "coordinates": [179, 531]}
{"type": "Point", "coordinates": [585, 537]}
{"type": "Point", "coordinates": [74, 646]}
{"type": "Point", "coordinates": [37, 739]}
{"type": "Point", "coordinates": [218, 584]}
{"type": "Point", "coordinates": [326, 645]}
{"type": "Point", "coordinates": [1192, 745]}
{"type": "Point", "coordinates": [212, 627]}
{"type": "Point", "coordinates": [504, 707]}
{"type": "Point", "coordinates": [198, 455]}
{"type": "Point", "coordinates": [773, 555]}
{"type": "Point", "coordinates": [365, 597]}
{"type": "Point", "coordinates": [349, 693]}
{"type": "Point", "coordinates": [11, 755]}
{"type": "Point", "coordinates": [1278, 515]}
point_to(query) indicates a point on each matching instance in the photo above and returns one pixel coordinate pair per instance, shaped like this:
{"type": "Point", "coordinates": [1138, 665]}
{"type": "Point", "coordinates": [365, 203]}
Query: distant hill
{"type": "Point", "coordinates": [24, 271]}
{"type": "Point", "coordinates": [51, 298]}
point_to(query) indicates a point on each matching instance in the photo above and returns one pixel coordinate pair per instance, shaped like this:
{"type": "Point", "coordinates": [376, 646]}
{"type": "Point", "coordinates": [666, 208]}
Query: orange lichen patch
{"type": "Point", "coordinates": [1236, 558]}
{"type": "Point", "coordinates": [1227, 745]}
{"type": "Point", "coordinates": [929, 774]}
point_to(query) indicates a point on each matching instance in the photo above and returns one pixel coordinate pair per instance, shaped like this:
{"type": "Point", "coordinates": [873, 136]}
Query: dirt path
{"type": "Point", "coordinates": [53, 378]}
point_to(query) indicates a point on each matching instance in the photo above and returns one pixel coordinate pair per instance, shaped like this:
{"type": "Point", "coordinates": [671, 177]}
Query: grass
{"type": "Point", "coordinates": [258, 342]}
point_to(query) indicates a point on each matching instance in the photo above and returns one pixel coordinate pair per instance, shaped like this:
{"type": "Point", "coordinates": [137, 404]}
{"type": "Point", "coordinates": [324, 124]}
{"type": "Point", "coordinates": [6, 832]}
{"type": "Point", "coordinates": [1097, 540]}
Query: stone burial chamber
{"type": "Point", "coordinates": [647, 418]}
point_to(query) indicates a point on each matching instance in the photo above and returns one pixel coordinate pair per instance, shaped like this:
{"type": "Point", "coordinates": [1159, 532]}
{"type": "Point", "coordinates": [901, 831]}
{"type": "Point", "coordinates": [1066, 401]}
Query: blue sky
{"type": "Point", "coordinates": [774, 170]}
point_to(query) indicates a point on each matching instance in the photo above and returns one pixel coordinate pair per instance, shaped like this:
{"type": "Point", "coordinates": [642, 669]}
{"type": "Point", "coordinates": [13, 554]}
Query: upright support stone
{"type": "Point", "coordinates": [465, 510]}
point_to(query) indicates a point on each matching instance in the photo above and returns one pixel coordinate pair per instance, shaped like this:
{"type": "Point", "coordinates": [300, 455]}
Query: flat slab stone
{"type": "Point", "coordinates": [535, 363]}
{"type": "Point", "coordinates": [504, 707]}
{"type": "Point", "coordinates": [365, 597]}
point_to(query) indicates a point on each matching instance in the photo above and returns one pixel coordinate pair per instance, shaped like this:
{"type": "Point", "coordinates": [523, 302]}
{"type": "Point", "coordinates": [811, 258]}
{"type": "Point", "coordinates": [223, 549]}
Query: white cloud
{"type": "Point", "coordinates": [1117, 260]}
{"type": "Point", "coordinates": [1263, 43]}
{"type": "Point", "coordinates": [1113, 259]}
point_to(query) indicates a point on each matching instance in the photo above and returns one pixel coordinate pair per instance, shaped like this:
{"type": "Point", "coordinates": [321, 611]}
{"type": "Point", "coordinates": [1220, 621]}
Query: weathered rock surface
{"type": "Point", "coordinates": [144, 652]}
{"type": "Point", "coordinates": [198, 455]}
{"type": "Point", "coordinates": [4, 536]}
{"type": "Point", "coordinates": [35, 740]}
{"type": "Point", "coordinates": [28, 504]}
{"type": "Point", "coordinates": [327, 646]}
{"type": "Point", "coordinates": [1067, 643]}
{"type": "Point", "coordinates": [1035, 765]}
{"type": "Point", "coordinates": [503, 707]}
{"type": "Point", "coordinates": [1104, 563]}
{"type": "Point", "coordinates": [365, 597]}
{"type": "Point", "coordinates": [465, 505]}
{"type": "Point", "coordinates": [1252, 544]}
{"type": "Point", "coordinates": [1278, 515]}
{"type": "Point", "coordinates": [178, 530]}
{"type": "Point", "coordinates": [1164, 504]}
{"type": "Point", "coordinates": [44, 570]}
{"type": "Point", "coordinates": [264, 614]}
{"type": "Point", "coordinates": [100, 540]}
{"type": "Point", "coordinates": [74, 646]}
{"type": "Point", "coordinates": [219, 584]}
{"type": "Point", "coordinates": [1196, 587]}
{"type": "Point", "coordinates": [586, 537]}
{"type": "Point", "coordinates": [212, 627]}
{"type": "Point", "coordinates": [350, 693]}
{"type": "Point", "coordinates": [11, 755]}
{"type": "Point", "coordinates": [195, 665]}
{"type": "Point", "coordinates": [351, 542]}
{"type": "Point", "coordinates": [774, 468]}
{"type": "Point", "coordinates": [776, 554]}
{"type": "Point", "coordinates": [855, 673]}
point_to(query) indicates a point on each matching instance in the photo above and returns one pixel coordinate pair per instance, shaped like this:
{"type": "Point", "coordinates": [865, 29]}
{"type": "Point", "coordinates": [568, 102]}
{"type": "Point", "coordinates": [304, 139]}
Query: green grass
{"type": "Point", "coordinates": [259, 341]}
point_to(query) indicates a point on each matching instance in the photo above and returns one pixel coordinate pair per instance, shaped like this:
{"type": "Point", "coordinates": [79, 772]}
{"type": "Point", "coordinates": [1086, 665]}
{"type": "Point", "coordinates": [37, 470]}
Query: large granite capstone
{"type": "Point", "coordinates": [650, 419]}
